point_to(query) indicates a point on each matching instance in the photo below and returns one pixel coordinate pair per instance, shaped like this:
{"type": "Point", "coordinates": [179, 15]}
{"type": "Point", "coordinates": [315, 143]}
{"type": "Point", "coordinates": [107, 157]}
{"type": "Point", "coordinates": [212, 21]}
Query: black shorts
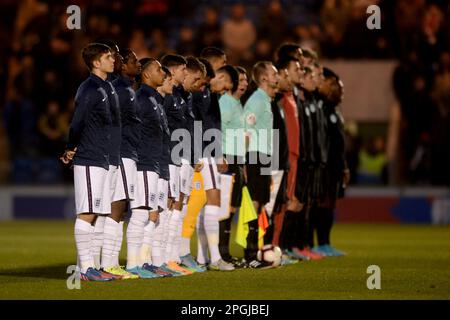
{"type": "Point", "coordinates": [236, 194]}
{"type": "Point", "coordinates": [236, 167]}
{"type": "Point", "coordinates": [258, 184]}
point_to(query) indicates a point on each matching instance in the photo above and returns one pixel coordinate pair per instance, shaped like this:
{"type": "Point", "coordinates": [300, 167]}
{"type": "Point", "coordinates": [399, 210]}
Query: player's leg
{"type": "Point", "coordinates": [211, 180]}
{"type": "Point", "coordinates": [225, 225]}
{"type": "Point", "coordinates": [259, 189]}
{"type": "Point", "coordinates": [175, 221]}
{"type": "Point", "coordinates": [196, 202]}
{"type": "Point", "coordinates": [140, 208]}
{"type": "Point", "coordinates": [89, 201]}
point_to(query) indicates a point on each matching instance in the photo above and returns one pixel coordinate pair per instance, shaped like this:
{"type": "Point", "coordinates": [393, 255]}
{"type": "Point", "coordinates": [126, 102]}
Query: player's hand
{"type": "Point", "coordinates": [346, 178]}
{"type": "Point", "coordinates": [68, 155]}
{"type": "Point", "coordinates": [198, 167]}
{"type": "Point", "coordinates": [222, 165]}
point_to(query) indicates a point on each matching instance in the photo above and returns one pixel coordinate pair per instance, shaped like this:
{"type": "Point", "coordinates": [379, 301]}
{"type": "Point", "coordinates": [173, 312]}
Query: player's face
{"type": "Point", "coordinates": [318, 76]}
{"type": "Point", "coordinates": [105, 63]}
{"type": "Point", "coordinates": [118, 61]}
{"type": "Point", "coordinates": [167, 85]}
{"type": "Point", "coordinates": [295, 72]}
{"type": "Point", "coordinates": [191, 80]}
{"type": "Point", "coordinates": [308, 82]}
{"type": "Point", "coordinates": [133, 67]}
{"type": "Point", "coordinates": [272, 77]}
{"type": "Point", "coordinates": [218, 82]}
{"type": "Point", "coordinates": [156, 73]}
{"type": "Point", "coordinates": [179, 73]}
{"type": "Point", "coordinates": [284, 83]}
{"type": "Point", "coordinates": [243, 84]}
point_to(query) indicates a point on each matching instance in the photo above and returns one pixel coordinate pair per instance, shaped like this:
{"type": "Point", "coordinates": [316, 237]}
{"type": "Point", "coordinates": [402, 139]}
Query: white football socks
{"type": "Point", "coordinates": [158, 239]}
{"type": "Point", "coordinates": [118, 244]}
{"type": "Point", "coordinates": [202, 246]}
{"type": "Point", "coordinates": [84, 233]}
{"type": "Point", "coordinates": [135, 235]}
{"type": "Point", "coordinates": [109, 242]}
{"type": "Point", "coordinates": [211, 222]}
{"type": "Point", "coordinates": [97, 241]}
{"type": "Point", "coordinates": [146, 248]}
{"type": "Point", "coordinates": [172, 230]}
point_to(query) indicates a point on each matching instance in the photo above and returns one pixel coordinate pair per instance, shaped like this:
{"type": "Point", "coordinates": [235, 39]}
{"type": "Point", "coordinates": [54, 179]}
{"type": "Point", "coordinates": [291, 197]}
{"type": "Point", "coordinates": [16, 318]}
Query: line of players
{"type": "Point", "coordinates": [124, 153]}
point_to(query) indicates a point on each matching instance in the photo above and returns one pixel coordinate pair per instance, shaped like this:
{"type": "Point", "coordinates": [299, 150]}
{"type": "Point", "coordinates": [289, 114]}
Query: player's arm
{"type": "Point", "coordinates": [82, 103]}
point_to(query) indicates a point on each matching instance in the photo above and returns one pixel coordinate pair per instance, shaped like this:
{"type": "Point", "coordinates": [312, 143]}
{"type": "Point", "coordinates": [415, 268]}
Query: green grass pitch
{"type": "Point", "coordinates": [414, 262]}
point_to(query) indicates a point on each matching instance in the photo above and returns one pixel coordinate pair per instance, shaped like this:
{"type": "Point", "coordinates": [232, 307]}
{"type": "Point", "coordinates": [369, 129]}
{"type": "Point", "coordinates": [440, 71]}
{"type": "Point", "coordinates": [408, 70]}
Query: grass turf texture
{"type": "Point", "coordinates": [414, 262]}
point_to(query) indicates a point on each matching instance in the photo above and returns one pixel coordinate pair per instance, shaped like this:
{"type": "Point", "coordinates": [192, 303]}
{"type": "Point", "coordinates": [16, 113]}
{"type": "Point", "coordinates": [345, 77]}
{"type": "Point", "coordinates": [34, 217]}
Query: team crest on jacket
{"type": "Point", "coordinates": [251, 119]}
{"type": "Point", "coordinates": [333, 118]}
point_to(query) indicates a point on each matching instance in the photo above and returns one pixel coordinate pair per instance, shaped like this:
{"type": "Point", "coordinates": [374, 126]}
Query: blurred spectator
{"type": "Point", "coordinates": [334, 17]}
{"type": "Point", "coordinates": [139, 44]}
{"type": "Point", "coordinates": [372, 163]}
{"type": "Point", "coordinates": [20, 123]}
{"type": "Point", "coordinates": [186, 45]}
{"type": "Point", "coordinates": [158, 44]}
{"type": "Point", "coordinates": [209, 32]}
{"type": "Point", "coordinates": [440, 133]}
{"type": "Point", "coordinates": [238, 35]}
{"type": "Point", "coordinates": [52, 126]}
{"type": "Point", "coordinates": [273, 26]}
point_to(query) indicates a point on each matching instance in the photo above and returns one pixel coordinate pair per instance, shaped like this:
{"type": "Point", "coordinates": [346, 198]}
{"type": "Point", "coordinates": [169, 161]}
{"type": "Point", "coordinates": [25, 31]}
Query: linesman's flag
{"type": "Point", "coordinates": [247, 213]}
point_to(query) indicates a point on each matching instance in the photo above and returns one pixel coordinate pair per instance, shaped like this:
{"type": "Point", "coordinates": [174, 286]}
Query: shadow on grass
{"type": "Point", "coordinates": [56, 271]}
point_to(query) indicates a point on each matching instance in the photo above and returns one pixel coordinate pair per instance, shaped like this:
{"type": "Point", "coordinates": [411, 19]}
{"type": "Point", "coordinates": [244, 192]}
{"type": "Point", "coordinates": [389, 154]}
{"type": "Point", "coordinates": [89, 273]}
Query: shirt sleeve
{"type": "Point", "coordinates": [83, 103]}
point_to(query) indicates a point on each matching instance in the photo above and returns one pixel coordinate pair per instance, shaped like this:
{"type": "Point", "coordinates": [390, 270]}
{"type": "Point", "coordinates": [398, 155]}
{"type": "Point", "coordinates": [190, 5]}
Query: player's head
{"type": "Point", "coordinates": [116, 53]}
{"type": "Point", "coordinates": [152, 73]}
{"type": "Point", "coordinates": [196, 71]}
{"type": "Point", "coordinates": [265, 75]}
{"type": "Point", "coordinates": [309, 57]}
{"type": "Point", "coordinates": [309, 82]}
{"type": "Point", "coordinates": [215, 56]}
{"type": "Point", "coordinates": [332, 87]}
{"type": "Point", "coordinates": [243, 82]}
{"type": "Point", "coordinates": [288, 50]}
{"type": "Point", "coordinates": [209, 73]}
{"type": "Point", "coordinates": [226, 79]}
{"type": "Point", "coordinates": [294, 69]}
{"type": "Point", "coordinates": [130, 65]}
{"type": "Point", "coordinates": [98, 57]}
{"type": "Point", "coordinates": [284, 80]}
{"type": "Point", "coordinates": [177, 66]}
{"type": "Point", "coordinates": [167, 86]}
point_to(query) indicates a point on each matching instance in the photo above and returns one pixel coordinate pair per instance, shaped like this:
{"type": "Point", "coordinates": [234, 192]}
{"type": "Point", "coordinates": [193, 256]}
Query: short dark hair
{"type": "Point", "coordinates": [232, 73]}
{"type": "Point", "coordinates": [92, 52]}
{"type": "Point", "coordinates": [209, 69]}
{"type": "Point", "coordinates": [173, 60]}
{"type": "Point", "coordinates": [259, 69]}
{"type": "Point", "coordinates": [328, 73]}
{"type": "Point", "coordinates": [308, 70]}
{"type": "Point", "coordinates": [284, 62]}
{"type": "Point", "coordinates": [241, 70]}
{"type": "Point", "coordinates": [309, 53]}
{"type": "Point", "coordinates": [111, 44]}
{"type": "Point", "coordinates": [167, 71]}
{"type": "Point", "coordinates": [193, 64]}
{"type": "Point", "coordinates": [212, 52]}
{"type": "Point", "coordinates": [287, 50]}
{"type": "Point", "coordinates": [126, 53]}
{"type": "Point", "coordinates": [145, 62]}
